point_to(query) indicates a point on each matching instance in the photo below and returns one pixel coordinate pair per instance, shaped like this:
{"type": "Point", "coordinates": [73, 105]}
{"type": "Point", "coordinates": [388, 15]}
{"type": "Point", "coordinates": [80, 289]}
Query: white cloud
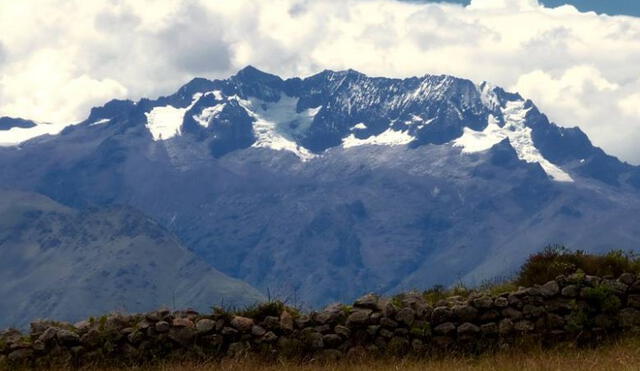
{"type": "Point", "coordinates": [59, 58]}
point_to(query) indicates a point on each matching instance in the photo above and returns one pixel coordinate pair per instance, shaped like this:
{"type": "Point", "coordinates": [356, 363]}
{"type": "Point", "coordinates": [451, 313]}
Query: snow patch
{"type": "Point", "coordinates": [204, 118]}
{"type": "Point", "coordinates": [277, 124]}
{"type": "Point", "coordinates": [166, 122]}
{"type": "Point", "coordinates": [16, 135]}
{"type": "Point", "coordinates": [519, 136]}
{"type": "Point", "coordinates": [100, 122]}
{"type": "Point", "coordinates": [359, 126]}
{"type": "Point", "coordinates": [389, 137]}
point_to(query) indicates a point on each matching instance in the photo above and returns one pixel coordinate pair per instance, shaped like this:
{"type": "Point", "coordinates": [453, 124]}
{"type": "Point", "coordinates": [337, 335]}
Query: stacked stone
{"type": "Point", "coordinates": [553, 312]}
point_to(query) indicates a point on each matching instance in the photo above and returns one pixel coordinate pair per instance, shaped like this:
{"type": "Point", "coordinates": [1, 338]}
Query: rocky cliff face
{"type": "Point", "coordinates": [338, 184]}
{"type": "Point", "coordinates": [576, 308]}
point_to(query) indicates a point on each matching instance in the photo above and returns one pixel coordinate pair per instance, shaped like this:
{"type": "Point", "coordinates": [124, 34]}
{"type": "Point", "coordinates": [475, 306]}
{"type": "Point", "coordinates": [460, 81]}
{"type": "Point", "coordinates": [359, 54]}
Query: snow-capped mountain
{"type": "Point", "coordinates": [339, 183]}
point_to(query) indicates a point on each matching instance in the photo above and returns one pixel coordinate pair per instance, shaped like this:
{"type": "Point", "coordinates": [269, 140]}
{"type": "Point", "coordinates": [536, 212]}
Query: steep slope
{"type": "Point", "coordinates": [59, 263]}
{"type": "Point", "coordinates": [339, 183]}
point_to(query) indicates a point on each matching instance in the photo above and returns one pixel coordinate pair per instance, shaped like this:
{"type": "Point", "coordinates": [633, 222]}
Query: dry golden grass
{"type": "Point", "coordinates": [622, 355]}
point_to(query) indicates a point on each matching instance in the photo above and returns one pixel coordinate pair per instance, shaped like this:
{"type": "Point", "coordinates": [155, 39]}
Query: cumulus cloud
{"type": "Point", "coordinates": [62, 57]}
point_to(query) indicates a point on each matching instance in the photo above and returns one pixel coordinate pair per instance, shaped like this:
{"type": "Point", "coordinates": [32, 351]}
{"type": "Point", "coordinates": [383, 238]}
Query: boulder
{"type": "Point", "coordinates": [359, 317]}
{"type": "Point", "coordinates": [406, 316]}
{"type": "Point", "coordinates": [505, 326]}
{"type": "Point", "coordinates": [369, 301]}
{"type": "Point", "coordinates": [483, 302]}
{"type": "Point", "coordinates": [258, 331]}
{"type": "Point", "coordinates": [286, 321]}
{"type": "Point", "coordinates": [550, 289]}
{"type": "Point", "coordinates": [512, 313]}
{"type": "Point", "coordinates": [205, 326]}
{"type": "Point", "coordinates": [244, 324]}
{"type": "Point", "coordinates": [445, 328]}
{"type": "Point", "coordinates": [162, 327]}
{"type": "Point", "coordinates": [465, 313]}
{"type": "Point", "coordinates": [441, 315]}
{"type": "Point", "coordinates": [67, 338]}
{"type": "Point", "coordinates": [468, 328]}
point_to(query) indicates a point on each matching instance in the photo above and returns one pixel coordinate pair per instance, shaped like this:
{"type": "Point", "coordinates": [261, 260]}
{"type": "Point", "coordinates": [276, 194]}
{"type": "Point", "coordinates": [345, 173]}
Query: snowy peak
{"type": "Point", "coordinates": [305, 117]}
{"type": "Point", "coordinates": [347, 109]}
{"type": "Point", "coordinates": [519, 135]}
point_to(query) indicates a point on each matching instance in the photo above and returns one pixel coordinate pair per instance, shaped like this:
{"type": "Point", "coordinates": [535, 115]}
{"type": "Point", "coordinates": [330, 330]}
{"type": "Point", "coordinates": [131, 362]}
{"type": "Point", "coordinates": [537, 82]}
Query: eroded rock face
{"type": "Point", "coordinates": [374, 324]}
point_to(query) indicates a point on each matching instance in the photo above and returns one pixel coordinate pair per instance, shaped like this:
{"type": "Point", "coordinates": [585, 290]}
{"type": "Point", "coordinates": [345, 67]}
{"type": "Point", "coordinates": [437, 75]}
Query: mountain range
{"type": "Point", "coordinates": [319, 189]}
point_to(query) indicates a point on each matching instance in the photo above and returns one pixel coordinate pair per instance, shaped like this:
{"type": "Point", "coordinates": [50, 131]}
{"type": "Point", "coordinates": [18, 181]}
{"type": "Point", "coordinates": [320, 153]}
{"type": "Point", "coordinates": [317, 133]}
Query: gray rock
{"type": "Point", "coordinates": [343, 331]}
{"type": "Point", "coordinates": [468, 328]}
{"type": "Point", "coordinates": [532, 311]}
{"type": "Point", "coordinates": [490, 315]}
{"type": "Point", "coordinates": [270, 337]}
{"type": "Point", "coordinates": [465, 313]}
{"type": "Point", "coordinates": [48, 335]}
{"type": "Point", "coordinates": [301, 322]}
{"type": "Point", "coordinates": [369, 301]}
{"type": "Point", "coordinates": [205, 326]}
{"type": "Point", "coordinates": [512, 313]}
{"type": "Point", "coordinates": [332, 340]}
{"type": "Point", "coordinates": [627, 278]}
{"type": "Point", "coordinates": [483, 302]}
{"type": "Point", "coordinates": [135, 337]}
{"type": "Point", "coordinates": [505, 326]}
{"type": "Point", "coordinates": [314, 340]}
{"type": "Point", "coordinates": [20, 355]}
{"type": "Point", "coordinates": [616, 287]}
{"type": "Point", "coordinates": [273, 323]}
{"type": "Point", "coordinates": [229, 331]}
{"type": "Point", "coordinates": [325, 317]}
{"type": "Point", "coordinates": [441, 315]}
{"type": "Point", "coordinates": [406, 316]}
{"type": "Point", "coordinates": [244, 324]}
{"type": "Point", "coordinates": [490, 328]}
{"type": "Point", "coordinates": [550, 289]}
{"type": "Point", "coordinates": [182, 335]}
{"type": "Point", "coordinates": [501, 302]}
{"type": "Point", "coordinates": [92, 338]}
{"type": "Point", "coordinates": [523, 326]}
{"type": "Point", "coordinates": [359, 317]}
{"type": "Point", "coordinates": [162, 327]}
{"type": "Point", "coordinates": [67, 337]}
{"type": "Point", "coordinates": [286, 321]}
{"type": "Point", "coordinates": [258, 331]}
{"type": "Point", "coordinates": [445, 328]}
{"type": "Point", "coordinates": [555, 321]}
{"type": "Point", "coordinates": [388, 322]}
{"type": "Point", "coordinates": [389, 310]}
{"type": "Point", "coordinates": [372, 330]}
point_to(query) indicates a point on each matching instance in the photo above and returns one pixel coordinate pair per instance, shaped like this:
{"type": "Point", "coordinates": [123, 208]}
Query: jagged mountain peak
{"type": "Point", "coordinates": [346, 109]}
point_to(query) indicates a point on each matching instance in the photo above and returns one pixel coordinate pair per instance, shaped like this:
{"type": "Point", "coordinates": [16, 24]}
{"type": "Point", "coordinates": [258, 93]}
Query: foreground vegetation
{"type": "Point", "coordinates": [572, 301]}
{"type": "Point", "coordinates": [621, 355]}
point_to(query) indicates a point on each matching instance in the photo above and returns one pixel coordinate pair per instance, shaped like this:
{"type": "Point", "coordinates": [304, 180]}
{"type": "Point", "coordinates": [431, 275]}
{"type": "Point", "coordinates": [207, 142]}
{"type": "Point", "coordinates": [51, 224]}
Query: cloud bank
{"type": "Point", "coordinates": [60, 58]}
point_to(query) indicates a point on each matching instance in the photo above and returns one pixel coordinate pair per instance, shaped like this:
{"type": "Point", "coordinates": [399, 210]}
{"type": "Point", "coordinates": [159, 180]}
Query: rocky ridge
{"type": "Point", "coordinates": [575, 308]}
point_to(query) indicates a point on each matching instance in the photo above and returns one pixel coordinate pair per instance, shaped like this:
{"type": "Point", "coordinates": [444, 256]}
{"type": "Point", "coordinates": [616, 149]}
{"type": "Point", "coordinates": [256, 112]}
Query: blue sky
{"type": "Point", "coordinates": [626, 7]}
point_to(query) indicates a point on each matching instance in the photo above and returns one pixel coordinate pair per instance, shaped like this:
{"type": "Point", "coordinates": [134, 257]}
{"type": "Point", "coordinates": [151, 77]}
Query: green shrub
{"type": "Point", "coordinates": [603, 299]}
{"type": "Point", "coordinates": [558, 260]}
{"type": "Point", "coordinates": [260, 311]}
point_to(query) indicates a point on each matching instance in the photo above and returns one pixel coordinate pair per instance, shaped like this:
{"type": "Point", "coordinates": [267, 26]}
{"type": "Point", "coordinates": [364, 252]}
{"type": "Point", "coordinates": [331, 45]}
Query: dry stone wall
{"type": "Point", "coordinates": [574, 308]}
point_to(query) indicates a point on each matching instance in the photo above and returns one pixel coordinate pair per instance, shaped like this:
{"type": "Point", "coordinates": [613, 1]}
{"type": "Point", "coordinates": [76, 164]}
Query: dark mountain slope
{"type": "Point", "coordinates": [59, 263]}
